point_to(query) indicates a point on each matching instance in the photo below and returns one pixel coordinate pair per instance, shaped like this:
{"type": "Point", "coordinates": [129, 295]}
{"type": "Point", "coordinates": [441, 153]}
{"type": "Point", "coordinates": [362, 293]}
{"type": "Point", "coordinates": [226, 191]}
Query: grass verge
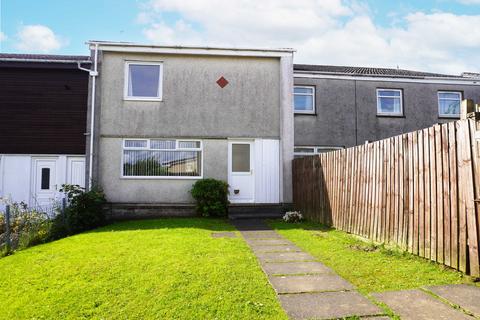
{"type": "Point", "coordinates": [369, 267]}
{"type": "Point", "coordinates": [156, 269]}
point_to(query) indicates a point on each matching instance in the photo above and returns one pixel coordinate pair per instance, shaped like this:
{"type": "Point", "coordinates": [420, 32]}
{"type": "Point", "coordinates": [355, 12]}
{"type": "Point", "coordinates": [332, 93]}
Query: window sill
{"type": "Point", "coordinates": [380, 115]}
{"type": "Point", "coordinates": [142, 99]}
{"type": "Point", "coordinates": [305, 113]}
{"type": "Point", "coordinates": [449, 117]}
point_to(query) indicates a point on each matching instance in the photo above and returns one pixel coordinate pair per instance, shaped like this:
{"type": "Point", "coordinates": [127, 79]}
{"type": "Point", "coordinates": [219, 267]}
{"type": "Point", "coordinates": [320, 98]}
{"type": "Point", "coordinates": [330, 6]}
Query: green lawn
{"type": "Point", "coordinates": [157, 269]}
{"type": "Point", "coordinates": [369, 268]}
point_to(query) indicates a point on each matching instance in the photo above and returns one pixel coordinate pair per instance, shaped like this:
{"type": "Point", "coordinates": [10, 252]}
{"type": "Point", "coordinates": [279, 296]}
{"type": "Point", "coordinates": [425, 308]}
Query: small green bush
{"type": "Point", "coordinates": [211, 196]}
{"type": "Point", "coordinates": [84, 211]}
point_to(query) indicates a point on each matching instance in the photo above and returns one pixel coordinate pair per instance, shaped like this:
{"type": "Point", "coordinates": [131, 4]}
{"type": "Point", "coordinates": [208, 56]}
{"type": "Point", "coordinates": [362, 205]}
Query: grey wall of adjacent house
{"type": "Point", "coordinates": [346, 111]}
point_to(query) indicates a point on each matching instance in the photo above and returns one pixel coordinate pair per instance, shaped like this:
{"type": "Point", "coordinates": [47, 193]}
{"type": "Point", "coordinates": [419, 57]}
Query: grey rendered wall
{"type": "Point", "coordinates": [347, 111]}
{"type": "Point", "coordinates": [334, 121]}
{"type": "Point", "coordinates": [120, 190]}
{"type": "Point", "coordinates": [193, 106]}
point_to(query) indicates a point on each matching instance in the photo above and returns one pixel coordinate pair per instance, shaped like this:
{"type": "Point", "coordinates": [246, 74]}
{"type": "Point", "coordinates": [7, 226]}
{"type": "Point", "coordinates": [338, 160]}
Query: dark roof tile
{"type": "Point", "coordinates": [368, 71]}
{"type": "Point", "coordinates": [41, 57]}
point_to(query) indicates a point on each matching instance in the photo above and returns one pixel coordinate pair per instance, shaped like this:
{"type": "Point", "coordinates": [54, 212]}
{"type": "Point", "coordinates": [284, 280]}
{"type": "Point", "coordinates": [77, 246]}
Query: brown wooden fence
{"type": "Point", "coordinates": [417, 191]}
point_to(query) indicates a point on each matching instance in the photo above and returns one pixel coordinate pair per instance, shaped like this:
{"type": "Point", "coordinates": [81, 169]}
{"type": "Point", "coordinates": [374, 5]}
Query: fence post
{"type": "Point", "coordinates": [7, 228]}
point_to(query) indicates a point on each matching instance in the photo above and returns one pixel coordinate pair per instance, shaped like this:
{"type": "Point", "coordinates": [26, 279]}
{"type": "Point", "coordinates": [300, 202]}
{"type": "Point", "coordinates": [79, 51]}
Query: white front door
{"type": "Point", "coordinates": [44, 182]}
{"type": "Point", "coordinates": [241, 177]}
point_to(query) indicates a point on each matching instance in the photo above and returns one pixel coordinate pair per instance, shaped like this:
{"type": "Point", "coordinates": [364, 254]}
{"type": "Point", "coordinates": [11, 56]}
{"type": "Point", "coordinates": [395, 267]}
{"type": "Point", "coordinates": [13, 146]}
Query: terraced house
{"type": "Point", "coordinates": [43, 110]}
{"type": "Point", "coordinates": [338, 107]}
{"type": "Point", "coordinates": [165, 117]}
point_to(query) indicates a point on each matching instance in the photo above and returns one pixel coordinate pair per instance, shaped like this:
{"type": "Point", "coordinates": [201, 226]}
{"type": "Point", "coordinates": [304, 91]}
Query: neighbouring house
{"type": "Point", "coordinates": [338, 107]}
{"type": "Point", "coordinates": [43, 110]}
{"type": "Point", "coordinates": [165, 117]}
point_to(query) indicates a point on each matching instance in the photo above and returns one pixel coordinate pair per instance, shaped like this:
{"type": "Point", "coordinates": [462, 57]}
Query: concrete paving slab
{"type": "Point", "coordinates": [418, 305]}
{"type": "Point", "coordinates": [285, 268]}
{"type": "Point", "coordinates": [464, 295]}
{"type": "Point", "coordinates": [327, 305]}
{"type": "Point", "coordinates": [268, 242]}
{"type": "Point", "coordinates": [224, 234]}
{"type": "Point", "coordinates": [284, 256]}
{"type": "Point", "coordinates": [280, 248]}
{"type": "Point", "coordinates": [310, 283]}
{"type": "Point", "coordinates": [261, 235]}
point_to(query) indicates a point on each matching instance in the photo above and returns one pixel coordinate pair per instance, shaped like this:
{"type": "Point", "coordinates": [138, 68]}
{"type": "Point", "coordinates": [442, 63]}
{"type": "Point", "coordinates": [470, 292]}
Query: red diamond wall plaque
{"type": "Point", "coordinates": [222, 82]}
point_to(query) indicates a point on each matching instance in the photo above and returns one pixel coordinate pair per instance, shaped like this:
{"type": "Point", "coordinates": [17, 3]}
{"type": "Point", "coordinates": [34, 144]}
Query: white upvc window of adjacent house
{"type": "Point", "coordinates": [162, 158]}
{"type": "Point", "coordinates": [449, 104]}
{"type": "Point", "coordinates": [143, 81]}
{"type": "Point", "coordinates": [389, 102]}
{"type": "Point", "coordinates": [304, 99]}
{"type": "Point", "coordinates": [302, 151]}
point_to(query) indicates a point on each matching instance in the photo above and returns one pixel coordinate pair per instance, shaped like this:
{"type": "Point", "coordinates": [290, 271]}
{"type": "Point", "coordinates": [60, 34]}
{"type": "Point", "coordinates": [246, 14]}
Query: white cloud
{"type": "Point", "coordinates": [3, 36]}
{"type": "Point", "coordinates": [322, 31]}
{"type": "Point", "coordinates": [38, 38]}
{"type": "Point", "coordinates": [469, 1]}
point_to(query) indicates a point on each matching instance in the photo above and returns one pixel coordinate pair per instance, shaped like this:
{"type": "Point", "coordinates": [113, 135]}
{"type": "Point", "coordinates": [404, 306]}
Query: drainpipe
{"type": "Point", "coordinates": [93, 73]}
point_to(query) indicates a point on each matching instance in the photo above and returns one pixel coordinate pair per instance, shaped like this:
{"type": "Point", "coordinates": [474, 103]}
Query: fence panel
{"type": "Point", "coordinates": [417, 191]}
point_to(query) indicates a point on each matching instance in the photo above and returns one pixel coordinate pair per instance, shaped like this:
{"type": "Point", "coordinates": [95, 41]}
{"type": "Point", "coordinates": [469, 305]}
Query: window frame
{"type": "Point", "coordinates": [389, 114]}
{"type": "Point", "coordinates": [314, 108]}
{"type": "Point", "coordinates": [448, 116]}
{"type": "Point", "coordinates": [126, 81]}
{"type": "Point", "coordinates": [315, 150]}
{"type": "Point", "coordinates": [148, 148]}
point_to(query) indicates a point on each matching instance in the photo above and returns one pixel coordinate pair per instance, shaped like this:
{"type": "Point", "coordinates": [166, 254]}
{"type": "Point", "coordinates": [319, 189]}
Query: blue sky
{"type": "Point", "coordinates": [435, 35]}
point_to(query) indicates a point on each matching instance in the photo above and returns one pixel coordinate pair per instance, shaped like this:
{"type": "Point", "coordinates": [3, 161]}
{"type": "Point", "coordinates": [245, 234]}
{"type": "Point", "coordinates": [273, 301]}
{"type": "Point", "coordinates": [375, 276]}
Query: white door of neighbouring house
{"type": "Point", "coordinates": [44, 182]}
{"type": "Point", "coordinates": [241, 178]}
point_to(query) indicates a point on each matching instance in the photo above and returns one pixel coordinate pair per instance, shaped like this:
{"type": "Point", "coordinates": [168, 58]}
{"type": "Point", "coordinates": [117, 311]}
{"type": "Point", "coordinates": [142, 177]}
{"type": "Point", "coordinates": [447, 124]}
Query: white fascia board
{"type": "Point", "coordinates": [454, 81]}
{"type": "Point", "coordinates": [190, 50]}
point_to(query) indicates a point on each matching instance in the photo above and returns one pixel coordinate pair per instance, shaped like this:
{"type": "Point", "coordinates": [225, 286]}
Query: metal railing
{"type": "Point", "coordinates": [17, 218]}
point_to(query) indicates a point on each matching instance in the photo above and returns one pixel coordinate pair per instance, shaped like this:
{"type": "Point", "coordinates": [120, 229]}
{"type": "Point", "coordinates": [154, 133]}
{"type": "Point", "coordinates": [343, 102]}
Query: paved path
{"type": "Point", "coordinates": [306, 288]}
{"type": "Point", "coordinates": [449, 302]}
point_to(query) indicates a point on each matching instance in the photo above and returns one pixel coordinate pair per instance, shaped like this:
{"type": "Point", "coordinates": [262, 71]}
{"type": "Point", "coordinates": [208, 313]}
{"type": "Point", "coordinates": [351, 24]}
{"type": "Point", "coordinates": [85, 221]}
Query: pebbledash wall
{"type": "Point", "coordinates": [346, 110]}
{"type": "Point", "coordinates": [255, 105]}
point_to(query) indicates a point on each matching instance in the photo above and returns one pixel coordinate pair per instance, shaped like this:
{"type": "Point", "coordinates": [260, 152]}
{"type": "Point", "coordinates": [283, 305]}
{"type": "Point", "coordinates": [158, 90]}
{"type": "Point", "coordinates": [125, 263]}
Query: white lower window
{"type": "Point", "coordinates": [299, 151]}
{"type": "Point", "coordinates": [150, 158]}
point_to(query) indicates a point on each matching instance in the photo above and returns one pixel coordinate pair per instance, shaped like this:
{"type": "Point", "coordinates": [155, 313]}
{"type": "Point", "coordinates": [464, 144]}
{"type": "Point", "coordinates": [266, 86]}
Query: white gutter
{"type": "Point", "coordinates": [93, 73]}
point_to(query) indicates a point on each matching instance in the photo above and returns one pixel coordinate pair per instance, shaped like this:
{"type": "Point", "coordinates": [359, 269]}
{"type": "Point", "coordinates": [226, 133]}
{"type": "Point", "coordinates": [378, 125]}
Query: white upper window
{"type": "Point", "coordinates": [449, 104]}
{"type": "Point", "coordinates": [304, 99]}
{"type": "Point", "coordinates": [143, 81]}
{"type": "Point", "coordinates": [389, 102]}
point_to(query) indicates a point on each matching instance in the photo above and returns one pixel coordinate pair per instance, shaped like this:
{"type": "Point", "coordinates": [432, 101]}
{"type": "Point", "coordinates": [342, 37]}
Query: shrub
{"type": "Point", "coordinates": [84, 212]}
{"type": "Point", "coordinates": [293, 217]}
{"type": "Point", "coordinates": [211, 196]}
{"type": "Point", "coordinates": [28, 226]}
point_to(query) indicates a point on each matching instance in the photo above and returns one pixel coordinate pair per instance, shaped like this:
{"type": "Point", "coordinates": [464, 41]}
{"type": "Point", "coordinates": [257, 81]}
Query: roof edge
{"type": "Point", "coordinates": [44, 60]}
{"type": "Point", "coordinates": [187, 49]}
